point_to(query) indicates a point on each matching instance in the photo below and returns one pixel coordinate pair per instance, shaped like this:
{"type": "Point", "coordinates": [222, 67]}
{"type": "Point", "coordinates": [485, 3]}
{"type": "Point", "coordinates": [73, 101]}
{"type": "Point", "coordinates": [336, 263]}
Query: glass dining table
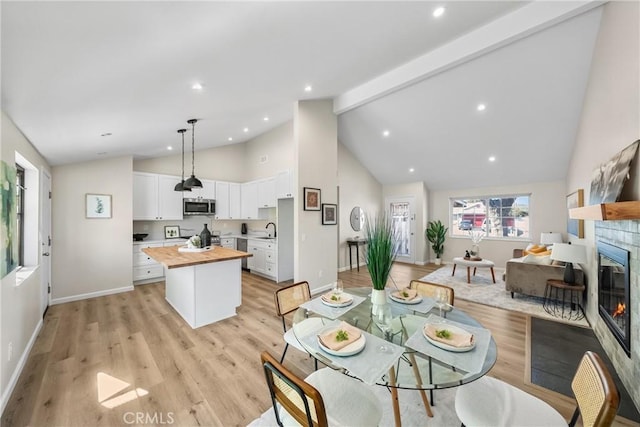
{"type": "Point", "coordinates": [420, 365]}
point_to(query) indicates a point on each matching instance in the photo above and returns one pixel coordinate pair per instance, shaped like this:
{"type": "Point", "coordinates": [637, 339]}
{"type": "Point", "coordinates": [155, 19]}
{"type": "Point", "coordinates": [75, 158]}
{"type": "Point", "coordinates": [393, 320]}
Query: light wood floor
{"type": "Point", "coordinates": [208, 377]}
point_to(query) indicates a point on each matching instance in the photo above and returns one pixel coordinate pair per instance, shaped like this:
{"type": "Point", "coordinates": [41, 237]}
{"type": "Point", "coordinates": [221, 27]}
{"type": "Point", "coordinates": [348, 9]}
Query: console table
{"type": "Point", "coordinates": [356, 243]}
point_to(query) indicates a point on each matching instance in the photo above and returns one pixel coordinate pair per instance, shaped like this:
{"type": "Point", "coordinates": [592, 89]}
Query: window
{"type": "Point", "coordinates": [496, 217]}
{"type": "Point", "coordinates": [20, 212]}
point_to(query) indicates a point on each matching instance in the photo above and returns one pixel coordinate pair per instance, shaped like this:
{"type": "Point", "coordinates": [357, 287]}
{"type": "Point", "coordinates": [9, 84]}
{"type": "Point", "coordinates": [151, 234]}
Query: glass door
{"type": "Point", "coordinates": [402, 216]}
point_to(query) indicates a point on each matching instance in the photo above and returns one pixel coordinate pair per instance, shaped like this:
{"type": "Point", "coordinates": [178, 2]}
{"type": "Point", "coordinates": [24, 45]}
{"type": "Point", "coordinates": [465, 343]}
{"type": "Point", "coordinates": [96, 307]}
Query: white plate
{"type": "Point", "coordinates": [353, 348]}
{"type": "Point", "coordinates": [337, 304]}
{"type": "Point", "coordinates": [416, 300]}
{"type": "Point", "coordinates": [447, 346]}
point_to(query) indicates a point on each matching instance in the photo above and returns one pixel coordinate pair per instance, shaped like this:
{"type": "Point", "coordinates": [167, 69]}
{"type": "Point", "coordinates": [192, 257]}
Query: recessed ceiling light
{"type": "Point", "coordinates": [106, 134]}
{"type": "Point", "coordinates": [411, 170]}
{"type": "Point", "coordinates": [438, 12]}
{"type": "Point", "coordinates": [308, 88]}
{"type": "Point", "coordinates": [245, 130]}
{"type": "Point", "coordinates": [481, 107]}
{"type": "Point", "coordinates": [196, 86]}
{"type": "Point", "coordinates": [169, 148]}
{"type": "Point", "coordinates": [230, 139]}
{"type": "Point", "coordinates": [266, 118]}
{"type": "Point", "coordinates": [386, 133]}
{"type": "Point", "coordinates": [492, 158]}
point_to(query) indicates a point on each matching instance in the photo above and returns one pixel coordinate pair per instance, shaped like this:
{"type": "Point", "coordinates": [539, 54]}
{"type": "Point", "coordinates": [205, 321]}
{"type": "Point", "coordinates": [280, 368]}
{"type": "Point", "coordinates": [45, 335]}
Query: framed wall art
{"type": "Point", "coordinates": [311, 199]}
{"type": "Point", "coordinates": [575, 226]}
{"type": "Point", "coordinates": [171, 231]}
{"type": "Point", "coordinates": [329, 214]}
{"type": "Point", "coordinates": [98, 206]}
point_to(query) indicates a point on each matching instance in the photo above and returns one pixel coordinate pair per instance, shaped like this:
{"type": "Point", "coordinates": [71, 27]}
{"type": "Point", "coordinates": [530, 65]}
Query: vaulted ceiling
{"type": "Point", "coordinates": [74, 71]}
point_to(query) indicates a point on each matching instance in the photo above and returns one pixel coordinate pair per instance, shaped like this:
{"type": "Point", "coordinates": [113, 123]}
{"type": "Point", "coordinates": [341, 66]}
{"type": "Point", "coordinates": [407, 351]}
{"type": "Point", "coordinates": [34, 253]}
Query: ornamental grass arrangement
{"type": "Point", "coordinates": [381, 249]}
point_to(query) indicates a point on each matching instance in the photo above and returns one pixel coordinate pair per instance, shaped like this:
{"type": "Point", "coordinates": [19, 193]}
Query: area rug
{"type": "Point", "coordinates": [411, 409]}
{"type": "Point", "coordinates": [482, 290]}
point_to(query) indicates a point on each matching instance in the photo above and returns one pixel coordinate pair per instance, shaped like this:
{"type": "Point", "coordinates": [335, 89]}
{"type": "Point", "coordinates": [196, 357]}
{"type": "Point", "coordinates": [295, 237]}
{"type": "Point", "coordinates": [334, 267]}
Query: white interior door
{"type": "Point", "coordinates": [45, 227]}
{"type": "Point", "coordinates": [402, 213]}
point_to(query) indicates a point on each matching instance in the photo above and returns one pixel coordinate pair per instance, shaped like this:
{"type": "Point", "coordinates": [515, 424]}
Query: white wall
{"type": "Point", "coordinates": [357, 188]}
{"type": "Point", "coordinates": [276, 146]}
{"type": "Point", "coordinates": [20, 318]}
{"type": "Point", "coordinates": [547, 213]}
{"type": "Point", "coordinates": [91, 257]}
{"type": "Point", "coordinates": [219, 163]}
{"type": "Point", "coordinates": [316, 158]}
{"type": "Point", "coordinates": [611, 121]}
{"type": "Point", "coordinates": [418, 192]}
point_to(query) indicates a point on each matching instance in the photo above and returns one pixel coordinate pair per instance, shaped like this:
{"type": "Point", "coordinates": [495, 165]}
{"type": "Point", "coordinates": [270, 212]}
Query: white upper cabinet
{"type": "Point", "coordinates": [208, 191]}
{"type": "Point", "coordinates": [249, 200]}
{"type": "Point", "coordinates": [267, 193]}
{"type": "Point", "coordinates": [154, 197]}
{"type": "Point", "coordinates": [222, 200]}
{"type": "Point", "coordinates": [234, 200]}
{"type": "Point", "coordinates": [284, 185]}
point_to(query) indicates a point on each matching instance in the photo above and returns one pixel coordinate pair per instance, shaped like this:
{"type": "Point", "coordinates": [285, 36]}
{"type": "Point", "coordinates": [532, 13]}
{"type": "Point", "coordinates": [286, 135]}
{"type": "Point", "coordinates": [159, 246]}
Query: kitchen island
{"type": "Point", "coordinates": [203, 287]}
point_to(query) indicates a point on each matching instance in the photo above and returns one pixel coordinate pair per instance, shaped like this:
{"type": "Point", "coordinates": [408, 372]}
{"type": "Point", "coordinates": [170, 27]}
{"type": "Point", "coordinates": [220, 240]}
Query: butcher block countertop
{"type": "Point", "coordinates": [171, 258]}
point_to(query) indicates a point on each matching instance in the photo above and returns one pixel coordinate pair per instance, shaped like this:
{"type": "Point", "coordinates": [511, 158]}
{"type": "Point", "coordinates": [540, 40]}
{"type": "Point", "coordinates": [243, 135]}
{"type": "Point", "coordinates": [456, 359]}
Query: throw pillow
{"type": "Point", "coordinates": [535, 259]}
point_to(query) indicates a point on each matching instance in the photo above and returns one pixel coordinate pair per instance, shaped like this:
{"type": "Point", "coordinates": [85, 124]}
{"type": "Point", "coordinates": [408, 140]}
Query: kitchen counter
{"type": "Point", "coordinates": [171, 258]}
{"type": "Point", "coordinates": [203, 287]}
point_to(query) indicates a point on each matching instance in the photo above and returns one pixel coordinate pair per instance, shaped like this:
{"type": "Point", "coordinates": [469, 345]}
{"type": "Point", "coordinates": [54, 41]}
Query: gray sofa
{"type": "Point", "coordinates": [531, 279]}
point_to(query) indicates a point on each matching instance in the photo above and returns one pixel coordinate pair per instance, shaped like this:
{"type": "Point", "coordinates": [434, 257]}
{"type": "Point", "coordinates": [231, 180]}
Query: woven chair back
{"type": "Point", "coordinates": [428, 289]}
{"type": "Point", "coordinates": [300, 399]}
{"type": "Point", "coordinates": [290, 297]}
{"type": "Point", "coordinates": [596, 393]}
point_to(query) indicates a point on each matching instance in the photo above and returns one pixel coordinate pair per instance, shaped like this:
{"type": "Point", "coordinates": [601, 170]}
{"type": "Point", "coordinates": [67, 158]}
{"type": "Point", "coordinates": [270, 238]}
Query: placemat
{"type": "Point", "coordinates": [423, 306]}
{"type": "Point", "coordinates": [317, 306]}
{"type": "Point", "coordinates": [470, 361]}
{"type": "Point", "coordinates": [369, 365]}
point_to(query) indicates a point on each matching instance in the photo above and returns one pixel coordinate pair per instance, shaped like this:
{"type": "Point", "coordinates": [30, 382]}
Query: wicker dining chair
{"type": "Point", "coordinates": [288, 300]}
{"type": "Point", "coordinates": [326, 397]}
{"type": "Point", "coordinates": [596, 394]}
{"type": "Point", "coordinates": [428, 289]}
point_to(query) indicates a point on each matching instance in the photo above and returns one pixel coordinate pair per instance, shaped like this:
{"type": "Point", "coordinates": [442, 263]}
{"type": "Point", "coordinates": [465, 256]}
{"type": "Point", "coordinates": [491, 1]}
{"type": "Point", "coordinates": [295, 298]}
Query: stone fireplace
{"type": "Point", "coordinates": [614, 292]}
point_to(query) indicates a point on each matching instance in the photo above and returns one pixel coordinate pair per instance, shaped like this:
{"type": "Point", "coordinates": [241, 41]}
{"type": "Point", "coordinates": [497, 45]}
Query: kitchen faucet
{"type": "Point", "coordinates": [274, 228]}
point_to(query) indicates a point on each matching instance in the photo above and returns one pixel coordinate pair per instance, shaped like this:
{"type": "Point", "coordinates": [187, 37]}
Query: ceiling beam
{"type": "Point", "coordinates": [527, 20]}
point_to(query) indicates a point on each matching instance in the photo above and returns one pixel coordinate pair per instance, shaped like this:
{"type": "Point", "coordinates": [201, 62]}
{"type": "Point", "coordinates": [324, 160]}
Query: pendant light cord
{"type": "Point", "coordinates": [182, 132]}
{"type": "Point", "coordinates": [193, 144]}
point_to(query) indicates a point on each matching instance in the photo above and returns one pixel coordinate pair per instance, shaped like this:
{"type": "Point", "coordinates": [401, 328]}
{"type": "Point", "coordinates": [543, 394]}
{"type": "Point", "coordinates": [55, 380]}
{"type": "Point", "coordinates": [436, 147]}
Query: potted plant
{"type": "Point", "coordinates": [435, 233]}
{"type": "Point", "coordinates": [381, 252]}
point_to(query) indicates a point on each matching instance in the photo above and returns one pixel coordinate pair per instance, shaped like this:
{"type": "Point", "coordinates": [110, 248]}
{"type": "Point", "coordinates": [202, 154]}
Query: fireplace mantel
{"type": "Point", "coordinates": [607, 211]}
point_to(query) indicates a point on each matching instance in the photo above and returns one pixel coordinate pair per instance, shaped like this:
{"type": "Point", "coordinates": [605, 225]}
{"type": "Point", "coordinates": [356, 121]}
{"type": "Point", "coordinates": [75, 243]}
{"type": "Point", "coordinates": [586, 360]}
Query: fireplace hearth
{"type": "Point", "coordinates": [613, 292]}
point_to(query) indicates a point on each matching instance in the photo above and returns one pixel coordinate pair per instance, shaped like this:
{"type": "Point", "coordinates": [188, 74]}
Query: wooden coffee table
{"type": "Point", "coordinates": [483, 263]}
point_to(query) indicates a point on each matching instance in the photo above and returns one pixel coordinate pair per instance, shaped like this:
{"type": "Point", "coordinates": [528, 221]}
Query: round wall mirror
{"type": "Point", "coordinates": [357, 218]}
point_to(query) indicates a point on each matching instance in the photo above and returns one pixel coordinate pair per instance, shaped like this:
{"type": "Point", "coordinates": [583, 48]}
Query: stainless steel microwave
{"type": "Point", "coordinates": [198, 207]}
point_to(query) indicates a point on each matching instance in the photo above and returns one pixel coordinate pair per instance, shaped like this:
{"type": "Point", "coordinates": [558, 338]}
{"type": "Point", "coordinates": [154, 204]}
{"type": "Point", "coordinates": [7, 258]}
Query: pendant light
{"type": "Point", "coordinates": [192, 182]}
{"type": "Point", "coordinates": [180, 186]}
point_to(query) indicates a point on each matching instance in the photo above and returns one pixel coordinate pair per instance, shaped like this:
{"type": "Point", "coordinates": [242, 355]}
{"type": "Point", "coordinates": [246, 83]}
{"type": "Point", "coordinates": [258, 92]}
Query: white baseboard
{"type": "Point", "coordinates": [91, 295]}
{"type": "Point", "coordinates": [19, 367]}
{"type": "Point", "coordinates": [346, 267]}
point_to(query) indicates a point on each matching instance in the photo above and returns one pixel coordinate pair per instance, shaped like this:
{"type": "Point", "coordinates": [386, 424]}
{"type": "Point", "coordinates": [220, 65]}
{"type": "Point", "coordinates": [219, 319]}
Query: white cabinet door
{"type": "Point", "coordinates": [222, 200]}
{"type": "Point", "coordinates": [169, 200]}
{"type": "Point", "coordinates": [249, 203]}
{"type": "Point", "coordinates": [267, 193]}
{"type": "Point", "coordinates": [208, 191]}
{"type": "Point", "coordinates": [234, 201]}
{"type": "Point", "coordinates": [145, 196]}
{"type": "Point", "coordinates": [154, 197]}
{"type": "Point", "coordinates": [284, 185]}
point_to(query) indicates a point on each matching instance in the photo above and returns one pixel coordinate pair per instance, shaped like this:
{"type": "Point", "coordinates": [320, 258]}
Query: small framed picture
{"type": "Point", "coordinates": [311, 199]}
{"type": "Point", "coordinates": [575, 226]}
{"type": "Point", "coordinates": [171, 231]}
{"type": "Point", "coordinates": [98, 205]}
{"type": "Point", "coordinates": [329, 214]}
